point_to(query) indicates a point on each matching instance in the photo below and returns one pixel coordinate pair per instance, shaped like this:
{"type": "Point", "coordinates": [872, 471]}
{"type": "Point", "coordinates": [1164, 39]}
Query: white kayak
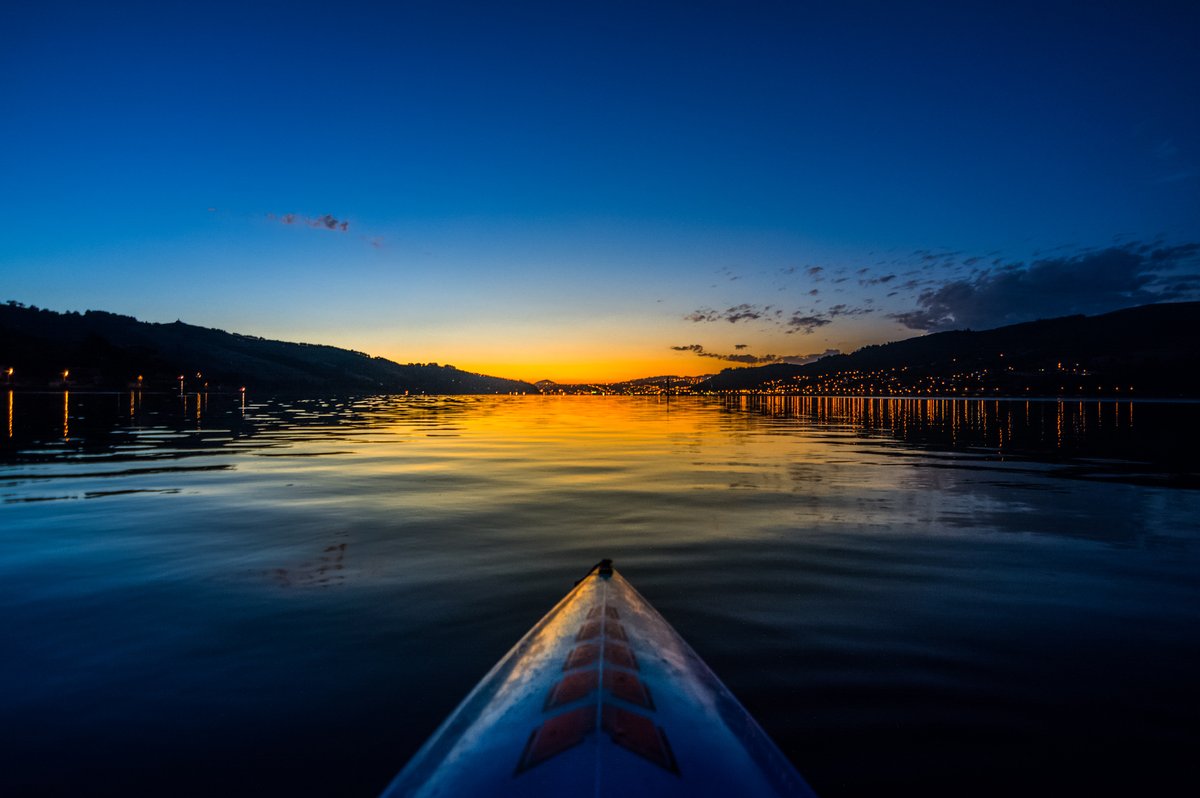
{"type": "Point", "coordinates": [601, 697]}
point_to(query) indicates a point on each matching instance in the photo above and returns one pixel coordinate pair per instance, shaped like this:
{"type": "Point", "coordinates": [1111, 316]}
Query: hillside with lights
{"type": "Point", "coordinates": [1146, 351]}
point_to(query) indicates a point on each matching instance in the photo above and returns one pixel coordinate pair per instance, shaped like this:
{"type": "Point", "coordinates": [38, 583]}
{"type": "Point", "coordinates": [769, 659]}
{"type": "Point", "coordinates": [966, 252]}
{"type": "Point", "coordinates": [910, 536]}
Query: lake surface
{"type": "Point", "coordinates": [204, 596]}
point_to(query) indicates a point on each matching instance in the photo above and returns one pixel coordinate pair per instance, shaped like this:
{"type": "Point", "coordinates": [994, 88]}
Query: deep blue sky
{"type": "Point", "coordinates": [570, 190]}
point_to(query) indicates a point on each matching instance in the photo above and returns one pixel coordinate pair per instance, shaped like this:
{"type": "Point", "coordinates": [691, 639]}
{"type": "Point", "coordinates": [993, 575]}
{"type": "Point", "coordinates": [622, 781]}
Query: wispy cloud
{"type": "Point", "coordinates": [869, 281]}
{"type": "Point", "coordinates": [1172, 164]}
{"type": "Point", "coordinates": [754, 360]}
{"type": "Point", "coordinates": [1176, 177]}
{"type": "Point", "coordinates": [843, 309]}
{"type": "Point", "coordinates": [325, 222]}
{"type": "Point", "coordinates": [800, 360]}
{"type": "Point", "coordinates": [1093, 281]}
{"type": "Point", "coordinates": [808, 323]}
{"type": "Point", "coordinates": [1165, 150]}
{"type": "Point", "coordinates": [732, 315]}
{"type": "Point", "coordinates": [697, 349]}
{"type": "Point", "coordinates": [805, 321]}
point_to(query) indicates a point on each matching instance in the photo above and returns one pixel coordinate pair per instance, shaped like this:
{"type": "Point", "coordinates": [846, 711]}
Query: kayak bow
{"type": "Point", "coordinates": [600, 694]}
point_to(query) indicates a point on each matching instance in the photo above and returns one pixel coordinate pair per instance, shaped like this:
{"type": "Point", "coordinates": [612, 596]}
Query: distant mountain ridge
{"type": "Point", "coordinates": [105, 350]}
{"type": "Point", "coordinates": [1152, 349]}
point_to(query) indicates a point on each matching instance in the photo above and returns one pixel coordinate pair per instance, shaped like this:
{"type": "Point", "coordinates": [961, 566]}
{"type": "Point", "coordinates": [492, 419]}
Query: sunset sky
{"type": "Point", "coordinates": [598, 190]}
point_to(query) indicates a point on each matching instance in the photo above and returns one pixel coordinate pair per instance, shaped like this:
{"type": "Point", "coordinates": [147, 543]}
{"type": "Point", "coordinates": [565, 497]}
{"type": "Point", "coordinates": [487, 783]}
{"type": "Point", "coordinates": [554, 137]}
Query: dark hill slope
{"type": "Point", "coordinates": [104, 350]}
{"type": "Point", "coordinates": [1155, 347]}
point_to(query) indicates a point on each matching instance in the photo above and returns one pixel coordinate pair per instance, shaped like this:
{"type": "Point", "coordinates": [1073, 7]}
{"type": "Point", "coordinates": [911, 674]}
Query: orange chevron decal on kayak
{"type": "Point", "coordinates": [619, 655]}
{"type": "Point", "coordinates": [557, 735]}
{"type": "Point", "coordinates": [627, 687]}
{"type": "Point", "coordinates": [638, 734]}
{"type": "Point", "coordinates": [573, 687]}
{"type": "Point", "coordinates": [628, 728]}
{"type": "Point", "coordinates": [582, 656]}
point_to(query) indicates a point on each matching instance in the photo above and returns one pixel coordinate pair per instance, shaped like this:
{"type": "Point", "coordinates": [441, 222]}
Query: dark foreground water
{"type": "Point", "coordinates": [914, 597]}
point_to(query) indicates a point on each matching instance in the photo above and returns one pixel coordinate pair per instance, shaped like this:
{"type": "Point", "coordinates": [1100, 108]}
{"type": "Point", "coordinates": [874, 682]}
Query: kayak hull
{"type": "Point", "coordinates": [602, 694]}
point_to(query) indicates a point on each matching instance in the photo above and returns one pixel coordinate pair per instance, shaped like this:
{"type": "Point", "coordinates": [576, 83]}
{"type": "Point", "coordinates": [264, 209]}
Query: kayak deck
{"type": "Point", "coordinates": [601, 695]}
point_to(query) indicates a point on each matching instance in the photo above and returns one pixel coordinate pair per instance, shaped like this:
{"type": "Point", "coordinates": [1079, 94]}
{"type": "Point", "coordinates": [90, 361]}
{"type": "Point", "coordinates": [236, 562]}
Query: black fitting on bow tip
{"type": "Point", "coordinates": [603, 568]}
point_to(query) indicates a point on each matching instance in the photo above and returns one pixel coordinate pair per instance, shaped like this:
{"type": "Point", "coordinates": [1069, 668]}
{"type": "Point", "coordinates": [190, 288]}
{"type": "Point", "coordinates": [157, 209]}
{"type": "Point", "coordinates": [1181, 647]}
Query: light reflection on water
{"type": "Point", "coordinates": [288, 595]}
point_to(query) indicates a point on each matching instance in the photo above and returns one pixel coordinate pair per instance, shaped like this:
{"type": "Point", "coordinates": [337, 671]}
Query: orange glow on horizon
{"type": "Point", "coordinates": [579, 373]}
{"type": "Point", "coordinates": [600, 351]}
{"type": "Point", "coordinates": [590, 364]}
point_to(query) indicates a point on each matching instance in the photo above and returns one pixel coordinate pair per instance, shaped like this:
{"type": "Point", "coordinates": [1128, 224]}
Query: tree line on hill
{"type": "Point", "coordinates": [105, 351]}
{"type": "Point", "coordinates": [1151, 350]}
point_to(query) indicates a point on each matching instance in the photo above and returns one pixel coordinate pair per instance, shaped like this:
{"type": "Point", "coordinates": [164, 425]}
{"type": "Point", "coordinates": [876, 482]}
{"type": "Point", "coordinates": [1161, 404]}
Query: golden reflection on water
{"type": "Point", "coordinates": [990, 422]}
{"type": "Point", "coordinates": [201, 405]}
{"type": "Point", "coordinates": [589, 442]}
{"type": "Point", "coordinates": [621, 424]}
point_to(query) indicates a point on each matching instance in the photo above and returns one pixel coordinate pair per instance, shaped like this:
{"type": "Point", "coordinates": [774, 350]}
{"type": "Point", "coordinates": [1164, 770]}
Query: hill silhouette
{"type": "Point", "coordinates": [1152, 349]}
{"type": "Point", "coordinates": [105, 351]}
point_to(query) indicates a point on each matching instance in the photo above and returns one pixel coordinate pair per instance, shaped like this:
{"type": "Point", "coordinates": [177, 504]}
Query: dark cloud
{"type": "Point", "coordinates": [326, 222]}
{"type": "Point", "coordinates": [740, 346]}
{"type": "Point", "coordinates": [1093, 281]}
{"type": "Point", "coordinates": [842, 309]}
{"type": "Point", "coordinates": [807, 324]}
{"type": "Point", "coordinates": [751, 359]}
{"type": "Point", "coordinates": [927, 256]}
{"type": "Point", "coordinates": [742, 313]}
{"type": "Point", "coordinates": [800, 360]}
{"type": "Point", "coordinates": [732, 315]}
{"type": "Point", "coordinates": [869, 281]}
{"type": "Point", "coordinates": [330, 223]}
{"type": "Point", "coordinates": [755, 360]}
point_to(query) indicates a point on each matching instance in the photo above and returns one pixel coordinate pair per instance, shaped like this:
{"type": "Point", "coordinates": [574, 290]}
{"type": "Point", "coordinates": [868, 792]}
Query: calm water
{"type": "Point", "coordinates": [943, 598]}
